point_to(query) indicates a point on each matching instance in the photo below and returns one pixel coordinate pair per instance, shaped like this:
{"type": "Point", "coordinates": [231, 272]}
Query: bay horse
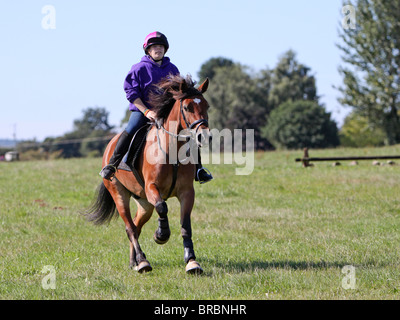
{"type": "Point", "coordinates": [179, 106]}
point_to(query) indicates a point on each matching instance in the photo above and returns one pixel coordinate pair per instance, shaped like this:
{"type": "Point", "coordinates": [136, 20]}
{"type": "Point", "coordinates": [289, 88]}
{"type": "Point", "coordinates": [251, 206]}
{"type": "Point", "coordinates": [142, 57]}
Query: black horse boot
{"type": "Point", "coordinates": [120, 150]}
{"type": "Point", "coordinates": [203, 175]}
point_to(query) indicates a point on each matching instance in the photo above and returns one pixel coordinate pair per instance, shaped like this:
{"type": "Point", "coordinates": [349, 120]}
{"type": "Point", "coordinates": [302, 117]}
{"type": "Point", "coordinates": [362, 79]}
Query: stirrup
{"type": "Point", "coordinates": [207, 171]}
{"type": "Point", "coordinates": [108, 176]}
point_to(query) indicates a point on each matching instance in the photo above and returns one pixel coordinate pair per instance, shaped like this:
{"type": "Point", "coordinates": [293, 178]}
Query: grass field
{"type": "Point", "coordinates": [284, 232]}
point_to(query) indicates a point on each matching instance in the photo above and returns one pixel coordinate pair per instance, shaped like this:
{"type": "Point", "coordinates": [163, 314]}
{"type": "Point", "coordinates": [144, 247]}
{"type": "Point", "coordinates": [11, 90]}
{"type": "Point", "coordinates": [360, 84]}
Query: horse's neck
{"type": "Point", "coordinates": [173, 119]}
{"type": "Point", "coordinates": [172, 125]}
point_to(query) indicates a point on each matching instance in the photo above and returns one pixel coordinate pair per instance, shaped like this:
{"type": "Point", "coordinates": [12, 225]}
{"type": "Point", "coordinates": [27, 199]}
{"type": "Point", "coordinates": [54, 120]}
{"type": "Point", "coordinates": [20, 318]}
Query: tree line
{"type": "Point", "coordinates": [280, 104]}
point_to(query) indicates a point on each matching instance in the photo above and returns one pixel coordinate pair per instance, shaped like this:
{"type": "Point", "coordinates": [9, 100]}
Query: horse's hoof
{"type": "Point", "coordinates": [144, 267]}
{"type": "Point", "coordinates": [158, 240]}
{"type": "Point", "coordinates": [193, 267]}
{"type": "Point", "coordinates": [133, 266]}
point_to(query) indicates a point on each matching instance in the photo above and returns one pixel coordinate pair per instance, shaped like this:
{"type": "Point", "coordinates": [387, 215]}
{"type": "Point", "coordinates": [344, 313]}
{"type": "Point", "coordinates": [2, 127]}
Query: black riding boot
{"type": "Point", "coordinates": [202, 175]}
{"type": "Point", "coordinates": [120, 150]}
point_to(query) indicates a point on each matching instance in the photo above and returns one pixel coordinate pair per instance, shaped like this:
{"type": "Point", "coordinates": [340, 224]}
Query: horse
{"type": "Point", "coordinates": [180, 107]}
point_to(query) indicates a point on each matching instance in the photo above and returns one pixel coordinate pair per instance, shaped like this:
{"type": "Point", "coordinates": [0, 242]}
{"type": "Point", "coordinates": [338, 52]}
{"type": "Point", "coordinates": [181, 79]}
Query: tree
{"type": "Point", "coordinates": [358, 132]}
{"type": "Point", "coordinates": [208, 68]}
{"type": "Point", "coordinates": [242, 99]}
{"type": "Point", "coordinates": [90, 135]}
{"type": "Point", "coordinates": [125, 119]}
{"type": "Point", "coordinates": [371, 76]}
{"type": "Point", "coordinates": [291, 81]}
{"type": "Point", "coordinates": [95, 143]}
{"type": "Point", "coordinates": [237, 101]}
{"type": "Point", "coordinates": [94, 119]}
{"type": "Point", "coordinates": [301, 124]}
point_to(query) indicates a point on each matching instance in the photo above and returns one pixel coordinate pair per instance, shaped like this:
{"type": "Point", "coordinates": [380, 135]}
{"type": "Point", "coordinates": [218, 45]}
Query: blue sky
{"type": "Point", "coordinates": [47, 77]}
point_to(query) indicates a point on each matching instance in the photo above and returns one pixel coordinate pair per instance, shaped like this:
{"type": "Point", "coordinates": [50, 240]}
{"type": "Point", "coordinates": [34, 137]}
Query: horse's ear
{"type": "Point", "coordinates": [204, 86]}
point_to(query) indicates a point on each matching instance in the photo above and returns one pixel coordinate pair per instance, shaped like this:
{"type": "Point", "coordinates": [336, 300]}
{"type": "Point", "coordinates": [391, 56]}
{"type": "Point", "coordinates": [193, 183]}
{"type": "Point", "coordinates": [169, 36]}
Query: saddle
{"type": "Point", "coordinates": [130, 160]}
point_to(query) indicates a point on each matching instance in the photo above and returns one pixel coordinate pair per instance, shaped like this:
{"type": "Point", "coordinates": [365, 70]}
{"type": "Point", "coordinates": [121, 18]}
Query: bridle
{"type": "Point", "coordinates": [189, 126]}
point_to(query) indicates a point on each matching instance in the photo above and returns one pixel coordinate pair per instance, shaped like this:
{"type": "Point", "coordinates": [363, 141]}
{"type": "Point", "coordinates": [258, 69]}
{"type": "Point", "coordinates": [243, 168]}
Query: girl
{"type": "Point", "coordinates": [153, 67]}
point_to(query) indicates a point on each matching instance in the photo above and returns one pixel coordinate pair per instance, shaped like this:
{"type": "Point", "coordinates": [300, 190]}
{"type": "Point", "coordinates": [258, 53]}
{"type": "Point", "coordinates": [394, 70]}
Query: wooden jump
{"type": "Point", "coordinates": [306, 159]}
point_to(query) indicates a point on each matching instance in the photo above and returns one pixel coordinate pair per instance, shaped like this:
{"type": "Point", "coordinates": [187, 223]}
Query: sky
{"type": "Point", "coordinates": [54, 64]}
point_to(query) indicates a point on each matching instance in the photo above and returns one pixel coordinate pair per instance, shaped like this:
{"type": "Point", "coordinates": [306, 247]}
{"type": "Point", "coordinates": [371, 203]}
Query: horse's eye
{"type": "Point", "coordinates": [186, 108]}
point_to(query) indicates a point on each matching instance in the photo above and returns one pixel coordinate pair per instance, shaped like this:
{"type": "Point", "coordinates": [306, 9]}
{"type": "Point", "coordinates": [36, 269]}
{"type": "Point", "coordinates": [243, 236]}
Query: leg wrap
{"type": "Point", "coordinates": [163, 232]}
{"type": "Point", "coordinates": [162, 209]}
{"type": "Point", "coordinates": [188, 250]}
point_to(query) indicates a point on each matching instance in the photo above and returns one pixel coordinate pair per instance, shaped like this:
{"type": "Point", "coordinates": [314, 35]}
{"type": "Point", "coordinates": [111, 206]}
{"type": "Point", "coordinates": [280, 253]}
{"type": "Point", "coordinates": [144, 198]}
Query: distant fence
{"type": "Point", "coordinates": [307, 159]}
{"type": "Point", "coordinates": [27, 145]}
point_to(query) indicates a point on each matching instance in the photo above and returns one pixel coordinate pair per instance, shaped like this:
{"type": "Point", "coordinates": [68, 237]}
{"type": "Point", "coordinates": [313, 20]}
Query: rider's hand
{"type": "Point", "coordinates": [151, 115]}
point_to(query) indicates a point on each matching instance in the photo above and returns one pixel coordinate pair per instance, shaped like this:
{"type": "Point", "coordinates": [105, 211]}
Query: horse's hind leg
{"type": "Point", "coordinates": [121, 196]}
{"type": "Point", "coordinates": [143, 214]}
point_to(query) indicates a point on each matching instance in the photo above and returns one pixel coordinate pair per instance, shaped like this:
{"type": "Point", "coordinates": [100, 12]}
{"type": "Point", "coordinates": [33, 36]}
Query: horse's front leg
{"type": "Point", "coordinates": [187, 201]}
{"type": "Point", "coordinates": [162, 234]}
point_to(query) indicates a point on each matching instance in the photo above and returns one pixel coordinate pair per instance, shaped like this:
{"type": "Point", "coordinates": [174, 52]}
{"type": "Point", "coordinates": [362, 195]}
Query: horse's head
{"type": "Point", "coordinates": [194, 113]}
{"type": "Point", "coordinates": [189, 105]}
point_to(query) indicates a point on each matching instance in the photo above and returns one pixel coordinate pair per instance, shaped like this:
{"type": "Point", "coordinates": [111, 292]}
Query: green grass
{"type": "Point", "coordinates": [284, 232]}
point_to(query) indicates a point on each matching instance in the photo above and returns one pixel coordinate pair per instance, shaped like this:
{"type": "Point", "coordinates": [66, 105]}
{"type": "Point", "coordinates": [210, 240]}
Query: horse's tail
{"type": "Point", "coordinates": [103, 208]}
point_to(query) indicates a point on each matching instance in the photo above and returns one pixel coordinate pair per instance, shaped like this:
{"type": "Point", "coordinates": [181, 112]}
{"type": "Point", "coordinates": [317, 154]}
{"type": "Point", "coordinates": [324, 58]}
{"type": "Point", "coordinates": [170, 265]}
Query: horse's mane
{"type": "Point", "coordinates": [168, 91]}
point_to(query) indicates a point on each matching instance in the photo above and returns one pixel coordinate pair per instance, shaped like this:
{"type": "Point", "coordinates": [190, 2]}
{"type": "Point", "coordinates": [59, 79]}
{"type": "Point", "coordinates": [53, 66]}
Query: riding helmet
{"type": "Point", "coordinates": [155, 38]}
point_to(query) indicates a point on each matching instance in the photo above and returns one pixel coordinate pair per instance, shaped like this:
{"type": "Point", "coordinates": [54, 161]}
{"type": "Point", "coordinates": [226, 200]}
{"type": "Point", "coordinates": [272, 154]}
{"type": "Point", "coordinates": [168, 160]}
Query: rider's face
{"type": "Point", "coordinates": [156, 51]}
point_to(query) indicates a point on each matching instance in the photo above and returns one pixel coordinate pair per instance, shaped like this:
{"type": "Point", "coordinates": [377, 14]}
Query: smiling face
{"type": "Point", "coordinates": [156, 52]}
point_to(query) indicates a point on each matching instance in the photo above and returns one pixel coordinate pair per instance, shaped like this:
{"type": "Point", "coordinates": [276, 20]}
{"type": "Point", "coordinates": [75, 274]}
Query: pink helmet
{"type": "Point", "coordinates": [155, 38]}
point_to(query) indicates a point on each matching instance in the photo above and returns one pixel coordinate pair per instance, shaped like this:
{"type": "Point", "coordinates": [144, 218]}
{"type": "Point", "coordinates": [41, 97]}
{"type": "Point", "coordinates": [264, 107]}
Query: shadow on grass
{"type": "Point", "coordinates": [212, 266]}
{"type": "Point", "coordinates": [251, 266]}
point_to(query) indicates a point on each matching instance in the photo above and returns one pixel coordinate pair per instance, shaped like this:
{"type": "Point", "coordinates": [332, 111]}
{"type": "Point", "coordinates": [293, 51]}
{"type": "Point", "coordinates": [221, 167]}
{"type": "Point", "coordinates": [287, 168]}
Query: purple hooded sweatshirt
{"type": "Point", "coordinates": [143, 75]}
